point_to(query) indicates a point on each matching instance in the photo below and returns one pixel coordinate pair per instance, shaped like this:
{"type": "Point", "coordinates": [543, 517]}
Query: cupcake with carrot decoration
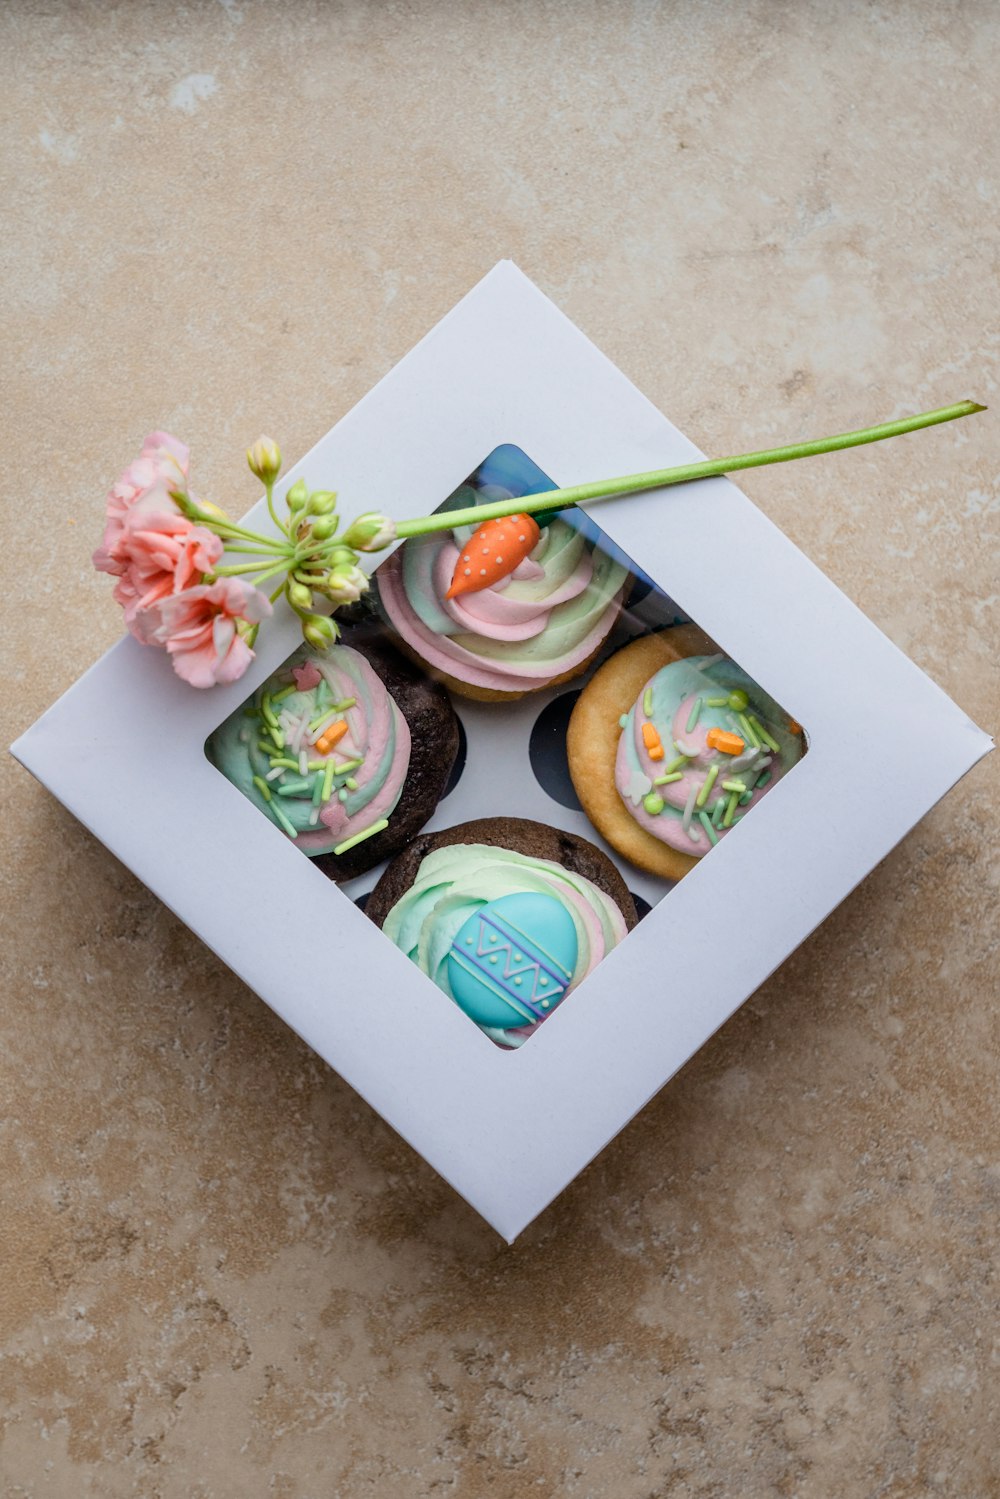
{"type": "Point", "coordinates": [671, 745]}
{"type": "Point", "coordinates": [509, 607]}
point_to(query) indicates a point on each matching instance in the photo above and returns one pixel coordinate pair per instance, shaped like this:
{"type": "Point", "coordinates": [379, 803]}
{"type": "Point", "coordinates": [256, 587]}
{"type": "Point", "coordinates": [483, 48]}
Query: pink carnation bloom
{"type": "Point", "coordinates": [161, 555]}
{"type": "Point", "coordinates": [198, 628]}
{"type": "Point", "coordinates": [144, 489]}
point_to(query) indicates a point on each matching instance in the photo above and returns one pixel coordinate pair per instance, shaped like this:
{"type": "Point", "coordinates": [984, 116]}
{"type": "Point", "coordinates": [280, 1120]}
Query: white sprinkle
{"type": "Point", "coordinates": [314, 817]}
{"type": "Point", "coordinates": [521, 538]}
{"type": "Point", "coordinates": [272, 775]}
{"type": "Point", "coordinates": [468, 572]}
{"type": "Point", "coordinates": [303, 763]}
{"type": "Point", "coordinates": [500, 559]}
{"type": "Point", "coordinates": [482, 572]}
{"type": "Point", "coordinates": [694, 834]}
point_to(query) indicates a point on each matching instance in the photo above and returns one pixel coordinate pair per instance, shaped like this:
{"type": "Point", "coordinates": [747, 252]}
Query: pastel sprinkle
{"type": "Point", "coordinates": [342, 794]}
{"type": "Point", "coordinates": [738, 700]}
{"type": "Point", "coordinates": [282, 820]}
{"type": "Point", "coordinates": [303, 762]}
{"type": "Point", "coordinates": [328, 773]}
{"type": "Point", "coordinates": [653, 804]}
{"type": "Point", "coordinates": [351, 784]}
{"type": "Point", "coordinates": [704, 793]}
{"type": "Point", "coordinates": [293, 788]}
{"type": "Point", "coordinates": [623, 721]}
{"type": "Point", "coordinates": [676, 764]}
{"type": "Point", "coordinates": [747, 728]}
{"type": "Point", "coordinates": [767, 739]}
{"type": "Point", "coordinates": [263, 788]}
{"type": "Point", "coordinates": [730, 809]}
{"type": "Point", "coordinates": [717, 811]}
{"type": "Point", "coordinates": [376, 827]}
{"type": "Point", "coordinates": [318, 764]}
{"type": "Point", "coordinates": [689, 809]}
{"type": "Point", "coordinates": [763, 778]}
{"type": "Point", "coordinates": [346, 765]}
{"type": "Point", "coordinates": [272, 775]}
{"type": "Point", "coordinates": [746, 798]}
{"type": "Point", "coordinates": [344, 704]}
{"type": "Point", "coordinates": [647, 702]}
{"type": "Point", "coordinates": [328, 714]}
{"type": "Point", "coordinates": [267, 712]}
{"type": "Point", "coordinates": [694, 834]}
{"type": "Point", "coordinates": [706, 823]}
{"type": "Point", "coordinates": [693, 716]}
{"type": "Point", "coordinates": [279, 697]}
{"type": "Point", "coordinates": [716, 702]}
{"type": "Point", "coordinates": [314, 817]}
{"type": "Point", "coordinates": [317, 795]}
{"type": "Point", "coordinates": [734, 786]}
{"type": "Point", "coordinates": [674, 775]}
{"type": "Point", "coordinates": [276, 735]}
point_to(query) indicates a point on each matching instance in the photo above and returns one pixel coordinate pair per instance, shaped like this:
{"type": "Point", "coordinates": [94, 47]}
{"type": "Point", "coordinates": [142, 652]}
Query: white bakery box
{"type": "Point", "coordinates": [510, 1129]}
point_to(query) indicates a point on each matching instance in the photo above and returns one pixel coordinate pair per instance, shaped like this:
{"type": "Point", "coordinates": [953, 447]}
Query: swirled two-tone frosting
{"type": "Point", "coordinates": [320, 748]}
{"type": "Point", "coordinates": [506, 936]}
{"type": "Point", "coordinates": [544, 619]}
{"type": "Point", "coordinates": [698, 749]}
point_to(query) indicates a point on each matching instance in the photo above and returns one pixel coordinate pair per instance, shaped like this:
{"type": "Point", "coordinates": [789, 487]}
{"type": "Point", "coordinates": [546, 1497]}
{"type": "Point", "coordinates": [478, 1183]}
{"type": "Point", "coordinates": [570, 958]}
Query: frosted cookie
{"type": "Point", "coordinates": [506, 916]}
{"type": "Point", "coordinates": [670, 745]}
{"type": "Point", "coordinates": [348, 752]}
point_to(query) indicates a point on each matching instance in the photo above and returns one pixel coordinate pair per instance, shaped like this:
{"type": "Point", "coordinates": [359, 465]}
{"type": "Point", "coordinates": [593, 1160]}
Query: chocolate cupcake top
{"type": "Point", "coordinates": [506, 933]}
{"type": "Point", "coordinates": [527, 626]}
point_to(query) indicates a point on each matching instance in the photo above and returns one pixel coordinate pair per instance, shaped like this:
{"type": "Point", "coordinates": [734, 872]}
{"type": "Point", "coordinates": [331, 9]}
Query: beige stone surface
{"type": "Point", "coordinates": [221, 1274]}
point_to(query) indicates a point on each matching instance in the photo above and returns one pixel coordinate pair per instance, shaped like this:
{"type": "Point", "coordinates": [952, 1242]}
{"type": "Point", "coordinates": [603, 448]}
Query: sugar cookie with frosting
{"type": "Point", "coordinates": [506, 916]}
{"type": "Point", "coordinates": [670, 745]}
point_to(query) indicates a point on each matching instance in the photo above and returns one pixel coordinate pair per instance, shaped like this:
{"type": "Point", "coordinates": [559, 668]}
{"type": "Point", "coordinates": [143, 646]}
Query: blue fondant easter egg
{"type": "Point", "coordinates": [512, 961]}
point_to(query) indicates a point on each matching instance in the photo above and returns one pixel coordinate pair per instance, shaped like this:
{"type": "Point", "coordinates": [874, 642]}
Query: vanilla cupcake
{"type": "Point", "coordinates": [551, 598]}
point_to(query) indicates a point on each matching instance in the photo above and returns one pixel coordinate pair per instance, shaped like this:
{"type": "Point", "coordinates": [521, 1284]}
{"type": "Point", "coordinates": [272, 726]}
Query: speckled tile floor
{"type": "Point", "coordinates": [221, 1274]}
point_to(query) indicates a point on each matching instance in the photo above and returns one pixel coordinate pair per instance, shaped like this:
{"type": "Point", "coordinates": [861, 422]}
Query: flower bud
{"type": "Point", "coordinates": [339, 557]}
{"type": "Point", "coordinates": [370, 532]}
{"type": "Point", "coordinates": [297, 496]}
{"type": "Point", "coordinates": [324, 526]}
{"type": "Point", "coordinates": [319, 632]}
{"type": "Point", "coordinates": [323, 501]}
{"type": "Point", "coordinates": [345, 585]}
{"type": "Point", "coordinates": [299, 596]}
{"type": "Point", "coordinates": [264, 459]}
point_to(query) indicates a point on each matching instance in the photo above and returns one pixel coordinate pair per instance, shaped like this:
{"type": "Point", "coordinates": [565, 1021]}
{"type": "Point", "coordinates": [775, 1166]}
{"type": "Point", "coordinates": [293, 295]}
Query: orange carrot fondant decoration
{"type": "Point", "coordinates": [652, 741]}
{"type": "Point", "coordinates": [492, 553]}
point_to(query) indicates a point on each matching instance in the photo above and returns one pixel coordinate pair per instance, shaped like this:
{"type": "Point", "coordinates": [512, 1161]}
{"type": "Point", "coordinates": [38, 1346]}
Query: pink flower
{"type": "Point", "coordinates": [144, 489]}
{"type": "Point", "coordinates": [199, 629]}
{"type": "Point", "coordinates": [160, 555]}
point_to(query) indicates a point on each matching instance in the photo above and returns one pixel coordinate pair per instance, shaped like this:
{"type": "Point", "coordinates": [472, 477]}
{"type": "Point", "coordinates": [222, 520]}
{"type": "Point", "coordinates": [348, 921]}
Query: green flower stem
{"type": "Point", "coordinates": [251, 567]}
{"type": "Point", "coordinates": [269, 492]}
{"type": "Point", "coordinates": [658, 478]}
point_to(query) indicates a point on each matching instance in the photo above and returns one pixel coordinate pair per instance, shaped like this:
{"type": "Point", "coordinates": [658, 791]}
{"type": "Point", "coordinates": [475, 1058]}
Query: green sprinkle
{"type": "Point", "coordinates": [717, 811]}
{"type": "Point", "coordinates": [771, 743]}
{"type": "Point", "coordinates": [738, 700]}
{"type": "Point", "coordinates": [293, 788]}
{"type": "Point", "coordinates": [262, 787]}
{"type": "Point", "coordinates": [675, 775]}
{"type": "Point", "coordinates": [279, 762]}
{"type": "Point", "coordinates": [762, 779]}
{"type": "Point", "coordinates": [344, 704]}
{"type": "Point", "coordinates": [327, 716]}
{"type": "Point", "coordinates": [276, 735]}
{"type": "Point", "coordinates": [734, 786]}
{"type": "Point", "coordinates": [351, 784]}
{"type": "Point", "coordinates": [376, 827]}
{"type": "Point", "coordinates": [653, 804]}
{"type": "Point", "coordinates": [317, 795]}
{"type": "Point", "coordinates": [282, 820]}
{"type": "Point", "coordinates": [279, 697]}
{"type": "Point", "coordinates": [706, 823]}
{"type": "Point", "coordinates": [250, 712]}
{"type": "Point", "coordinates": [703, 794]}
{"type": "Point", "coordinates": [346, 765]}
{"type": "Point", "coordinates": [316, 764]}
{"type": "Point", "coordinates": [676, 764]}
{"type": "Point", "coordinates": [328, 773]}
{"type": "Point", "coordinates": [748, 732]}
{"type": "Point", "coordinates": [730, 809]}
{"type": "Point", "coordinates": [267, 712]}
{"type": "Point", "coordinates": [647, 701]}
{"type": "Point", "coordinates": [694, 716]}
{"type": "Point", "coordinates": [623, 721]}
{"type": "Point", "coordinates": [746, 799]}
{"type": "Point", "coordinates": [342, 795]}
{"type": "Point", "coordinates": [716, 702]}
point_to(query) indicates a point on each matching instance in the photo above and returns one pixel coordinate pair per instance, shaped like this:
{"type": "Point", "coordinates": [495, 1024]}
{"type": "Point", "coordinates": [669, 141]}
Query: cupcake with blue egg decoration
{"type": "Point", "coordinates": [506, 916]}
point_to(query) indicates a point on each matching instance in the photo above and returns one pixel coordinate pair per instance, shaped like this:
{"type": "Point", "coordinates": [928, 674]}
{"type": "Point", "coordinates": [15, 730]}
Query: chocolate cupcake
{"type": "Point", "coordinates": [506, 916]}
{"type": "Point", "coordinates": [347, 751]}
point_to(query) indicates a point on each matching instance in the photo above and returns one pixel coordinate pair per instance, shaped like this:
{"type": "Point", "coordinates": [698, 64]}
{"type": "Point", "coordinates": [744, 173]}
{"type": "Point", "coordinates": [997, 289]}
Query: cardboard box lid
{"type": "Point", "coordinates": [123, 750]}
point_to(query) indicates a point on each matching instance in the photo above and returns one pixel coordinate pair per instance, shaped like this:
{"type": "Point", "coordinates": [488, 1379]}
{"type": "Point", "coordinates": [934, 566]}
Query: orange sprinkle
{"type": "Point", "coordinates": [721, 739]}
{"type": "Point", "coordinates": [651, 740]}
{"type": "Point", "coordinates": [331, 736]}
{"type": "Point", "coordinates": [793, 727]}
